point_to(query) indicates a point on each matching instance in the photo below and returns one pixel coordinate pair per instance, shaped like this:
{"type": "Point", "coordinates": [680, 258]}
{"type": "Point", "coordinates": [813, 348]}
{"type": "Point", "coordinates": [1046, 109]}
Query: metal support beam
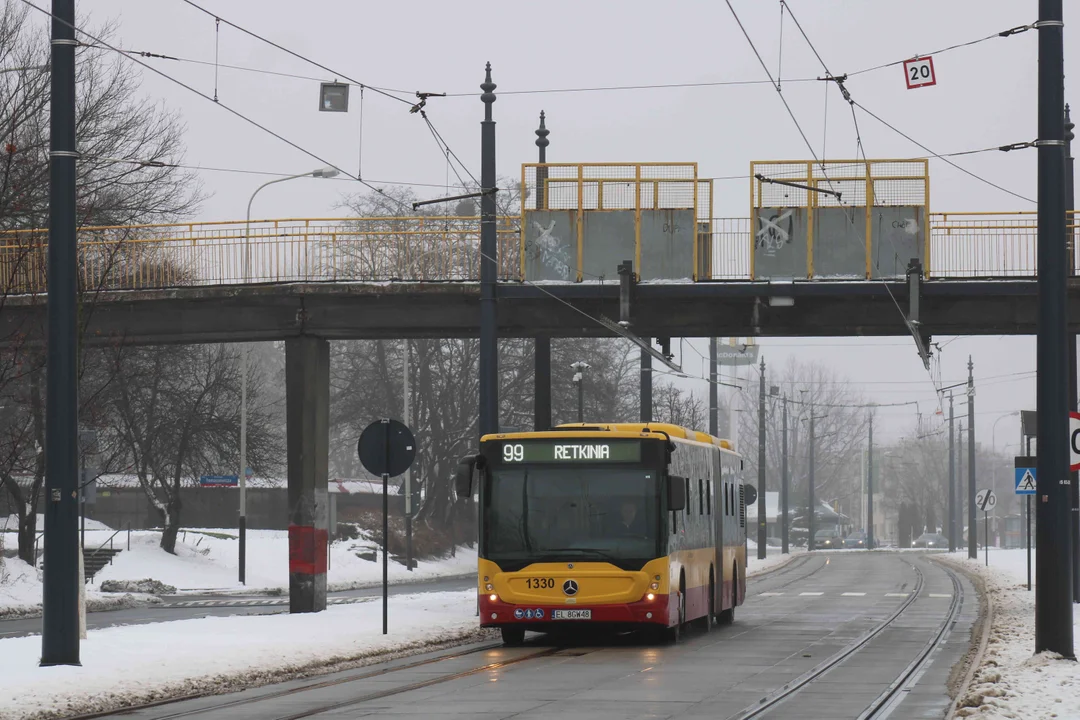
{"type": "Point", "coordinates": [952, 478]}
{"type": "Point", "coordinates": [646, 385]}
{"type": "Point", "coordinates": [1053, 556]}
{"type": "Point", "coordinates": [870, 488]}
{"type": "Point", "coordinates": [1070, 247]}
{"type": "Point", "coordinates": [60, 601]}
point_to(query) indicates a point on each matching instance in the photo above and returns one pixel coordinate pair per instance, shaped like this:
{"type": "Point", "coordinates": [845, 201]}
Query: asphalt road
{"type": "Point", "coordinates": [186, 607]}
{"type": "Point", "coordinates": [837, 629]}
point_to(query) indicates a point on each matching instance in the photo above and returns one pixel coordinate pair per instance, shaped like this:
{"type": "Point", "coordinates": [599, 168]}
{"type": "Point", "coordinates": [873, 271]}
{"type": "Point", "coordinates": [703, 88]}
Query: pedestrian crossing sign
{"type": "Point", "coordinates": [1025, 481]}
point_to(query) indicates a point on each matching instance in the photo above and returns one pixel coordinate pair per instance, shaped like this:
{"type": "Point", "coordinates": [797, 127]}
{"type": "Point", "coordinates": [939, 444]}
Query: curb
{"type": "Point", "coordinates": [983, 627]}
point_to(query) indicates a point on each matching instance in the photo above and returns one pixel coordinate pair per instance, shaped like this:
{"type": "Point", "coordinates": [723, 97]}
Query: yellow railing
{"type": "Point", "coordinates": [432, 249]}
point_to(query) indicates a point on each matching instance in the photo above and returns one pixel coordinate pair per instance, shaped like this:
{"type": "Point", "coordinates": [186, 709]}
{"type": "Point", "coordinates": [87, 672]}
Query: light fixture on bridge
{"type": "Point", "coordinates": [781, 301]}
{"type": "Point", "coordinates": [333, 97]}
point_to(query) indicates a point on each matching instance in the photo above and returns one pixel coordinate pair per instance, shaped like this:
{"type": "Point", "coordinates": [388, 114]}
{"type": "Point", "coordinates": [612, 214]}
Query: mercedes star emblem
{"type": "Point", "coordinates": [570, 587]}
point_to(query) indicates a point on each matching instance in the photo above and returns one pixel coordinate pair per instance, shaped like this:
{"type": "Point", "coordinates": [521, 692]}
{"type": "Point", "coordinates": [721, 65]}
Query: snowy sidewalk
{"type": "Point", "coordinates": [1011, 682]}
{"type": "Point", "coordinates": [140, 663]}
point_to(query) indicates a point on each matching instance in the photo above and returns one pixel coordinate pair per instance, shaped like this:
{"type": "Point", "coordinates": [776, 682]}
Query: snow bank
{"type": "Point", "coordinates": [1012, 682]}
{"type": "Point", "coordinates": [11, 524]}
{"type": "Point", "coordinates": [208, 560]}
{"type": "Point", "coordinates": [21, 588]}
{"type": "Point", "coordinates": [773, 559]}
{"type": "Point", "coordinates": [124, 665]}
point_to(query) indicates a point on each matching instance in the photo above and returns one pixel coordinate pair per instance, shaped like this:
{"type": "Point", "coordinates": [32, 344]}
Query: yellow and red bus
{"type": "Point", "coordinates": [630, 526]}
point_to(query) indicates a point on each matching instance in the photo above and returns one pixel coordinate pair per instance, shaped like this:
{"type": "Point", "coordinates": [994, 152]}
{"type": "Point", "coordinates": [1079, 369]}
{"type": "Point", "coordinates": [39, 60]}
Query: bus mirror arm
{"type": "Point", "coordinates": [463, 476]}
{"type": "Point", "coordinates": [676, 493]}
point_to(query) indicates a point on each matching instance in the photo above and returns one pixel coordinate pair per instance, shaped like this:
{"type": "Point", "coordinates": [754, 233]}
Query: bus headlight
{"type": "Point", "coordinates": [488, 587]}
{"type": "Point", "coordinates": [650, 597]}
{"type": "Point", "coordinates": [655, 586]}
{"type": "Point", "coordinates": [493, 597]}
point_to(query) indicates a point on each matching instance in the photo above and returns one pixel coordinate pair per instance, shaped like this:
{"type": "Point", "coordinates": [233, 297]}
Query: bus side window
{"type": "Point", "coordinates": [674, 523]}
{"type": "Point", "coordinates": [708, 497]}
{"type": "Point", "coordinates": [688, 496]}
{"type": "Point", "coordinates": [700, 498]}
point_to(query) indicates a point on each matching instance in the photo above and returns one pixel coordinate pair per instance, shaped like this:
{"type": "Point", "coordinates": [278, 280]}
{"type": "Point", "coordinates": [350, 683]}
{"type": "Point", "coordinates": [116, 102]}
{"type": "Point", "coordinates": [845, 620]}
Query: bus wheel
{"type": "Point", "coordinates": [512, 636]}
{"type": "Point", "coordinates": [726, 617]}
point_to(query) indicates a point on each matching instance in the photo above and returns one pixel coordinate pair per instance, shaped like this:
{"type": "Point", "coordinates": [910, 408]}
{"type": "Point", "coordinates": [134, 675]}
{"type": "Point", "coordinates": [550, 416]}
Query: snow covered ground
{"type": "Point", "coordinates": [1011, 682]}
{"type": "Point", "coordinates": [773, 558]}
{"type": "Point", "coordinates": [208, 560]}
{"type": "Point", "coordinates": [123, 665]}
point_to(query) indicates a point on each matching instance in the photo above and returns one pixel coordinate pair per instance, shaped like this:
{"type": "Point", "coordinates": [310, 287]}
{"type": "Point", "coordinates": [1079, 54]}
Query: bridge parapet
{"type": "Point", "coordinates": [839, 218]}
{"type": "Point", "coordinates": [581, 220]}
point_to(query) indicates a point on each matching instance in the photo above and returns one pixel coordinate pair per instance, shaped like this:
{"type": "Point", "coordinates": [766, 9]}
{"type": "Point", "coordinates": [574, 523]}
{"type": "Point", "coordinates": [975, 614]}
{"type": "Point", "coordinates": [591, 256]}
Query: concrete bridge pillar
{"type": "Point", "coordinates": [307, 409]}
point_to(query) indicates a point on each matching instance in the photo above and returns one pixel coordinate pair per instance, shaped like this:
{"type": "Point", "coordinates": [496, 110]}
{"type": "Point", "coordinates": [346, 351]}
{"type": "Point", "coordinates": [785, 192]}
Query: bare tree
{"type": "Point", "coordinates": [176, 414]}
{"type": "Point", "coordinates": [127, 173]}
{"type": "Point", "coordinates": [841, 419]}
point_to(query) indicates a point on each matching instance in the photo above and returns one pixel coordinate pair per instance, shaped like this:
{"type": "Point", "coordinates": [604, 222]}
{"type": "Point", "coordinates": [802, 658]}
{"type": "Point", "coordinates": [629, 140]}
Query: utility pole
{"type": "Point", "coordinates": [579, 368]}
{"type": "Point", "coordinates": [784, 481]}
{"type": "Point", "coordinates": [406, 414]}
{"type": "Point", "coordinates": [870, 488]}
{"type": "Point", "coordinates": [60, 596]}
{"type": "Point", "coordinates": [1053, 551]}
{"type": "Point", "coordinates": [973, 536]}
{"type": "Point", "coordinates": [1070, 246]}
{"type": "Point", "coordinates": [542, 349]}
{"type": "Point", "coordinates": [714, 391]}
{"type": "Point", "coordinates": [489, 248]}
{"type": "Point", "coordinates": [762, 520]}
{"type": "Point", "coordinates": [952, 480]}
{"type": "Point", "coordinates": [810, 486]}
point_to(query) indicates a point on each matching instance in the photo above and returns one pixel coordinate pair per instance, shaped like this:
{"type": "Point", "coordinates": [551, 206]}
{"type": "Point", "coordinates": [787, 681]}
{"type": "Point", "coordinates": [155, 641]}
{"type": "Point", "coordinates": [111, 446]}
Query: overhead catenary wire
{"type": "Point", "coordinates": [203, 95]}
{"type": "Point", "coordinates": [282, 48]}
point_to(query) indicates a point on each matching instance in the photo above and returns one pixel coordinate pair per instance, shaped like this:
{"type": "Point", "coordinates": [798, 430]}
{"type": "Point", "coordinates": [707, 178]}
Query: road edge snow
{"type": "Point", "coordinates": [124, 601]}
{"type": "Point", "coordinates": [973, 658]}
{"type": "Point", "coordinates": [194, 688]}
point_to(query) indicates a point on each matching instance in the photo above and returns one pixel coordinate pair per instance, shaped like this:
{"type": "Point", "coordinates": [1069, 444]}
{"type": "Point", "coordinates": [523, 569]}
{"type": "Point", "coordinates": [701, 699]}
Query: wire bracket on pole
{"type": "Point", "coordinates": [467, 196]}
{"type": "Point", "coordinates": [761, 178]}
{"type": "Point", "coordinates": [418, 107]}
{"type": "Point", "coordinates": [1050, 143]}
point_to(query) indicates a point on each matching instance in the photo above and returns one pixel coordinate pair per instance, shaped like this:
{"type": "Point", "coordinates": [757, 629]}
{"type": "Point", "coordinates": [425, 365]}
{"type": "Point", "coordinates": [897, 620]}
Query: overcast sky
{"type": "Point", "coordinates": [985, 97]}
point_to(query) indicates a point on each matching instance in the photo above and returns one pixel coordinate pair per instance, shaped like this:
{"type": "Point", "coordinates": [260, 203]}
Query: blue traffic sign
{"type": "Point", "coordinates": [219, 480]}
{"type": "Point", "coordinates": [1025, 481]}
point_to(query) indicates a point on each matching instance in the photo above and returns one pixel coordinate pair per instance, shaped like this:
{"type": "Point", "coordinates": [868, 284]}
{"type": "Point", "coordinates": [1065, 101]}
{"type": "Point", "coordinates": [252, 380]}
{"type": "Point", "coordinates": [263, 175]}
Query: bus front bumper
{"type": "Point", "coordinates": [496, 613]}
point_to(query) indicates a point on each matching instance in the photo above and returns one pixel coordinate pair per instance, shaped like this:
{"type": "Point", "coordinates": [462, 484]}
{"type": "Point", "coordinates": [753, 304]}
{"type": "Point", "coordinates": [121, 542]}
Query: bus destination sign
{"type": "Point", "coordinates": [570, 451]}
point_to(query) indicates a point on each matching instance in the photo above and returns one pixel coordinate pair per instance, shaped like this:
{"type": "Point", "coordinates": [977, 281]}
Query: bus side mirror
{"type": "Point", "coordinates": [463, 476]}
{"type": "Point", "coordinates": [676, 493]}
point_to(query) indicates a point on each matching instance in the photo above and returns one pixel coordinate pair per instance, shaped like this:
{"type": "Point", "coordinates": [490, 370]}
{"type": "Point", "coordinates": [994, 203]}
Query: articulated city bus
{"type": "Point", "coordinates": [629, 526]}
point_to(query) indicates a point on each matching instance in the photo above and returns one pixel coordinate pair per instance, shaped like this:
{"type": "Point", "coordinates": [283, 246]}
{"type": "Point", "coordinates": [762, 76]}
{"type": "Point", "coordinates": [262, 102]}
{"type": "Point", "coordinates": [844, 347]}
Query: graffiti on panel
{"type": "Point", "coordinates": [774, 232]}
{"type": "Point", "coordinates": [550, 250]}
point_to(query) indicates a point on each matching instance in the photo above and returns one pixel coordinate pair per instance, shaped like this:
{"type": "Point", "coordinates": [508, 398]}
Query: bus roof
{"type": "Point", "coordinates": [621, 430]}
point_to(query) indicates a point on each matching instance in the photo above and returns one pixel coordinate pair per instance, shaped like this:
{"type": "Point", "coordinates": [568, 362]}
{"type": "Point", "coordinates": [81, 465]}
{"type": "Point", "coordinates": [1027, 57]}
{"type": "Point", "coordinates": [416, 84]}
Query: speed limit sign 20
{"type": "Point", "coordinates": [919, 72]}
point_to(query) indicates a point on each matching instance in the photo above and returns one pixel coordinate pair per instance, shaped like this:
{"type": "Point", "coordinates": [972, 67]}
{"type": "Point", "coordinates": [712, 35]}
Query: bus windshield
{"type": "Point", "coordinates": [537, 513]}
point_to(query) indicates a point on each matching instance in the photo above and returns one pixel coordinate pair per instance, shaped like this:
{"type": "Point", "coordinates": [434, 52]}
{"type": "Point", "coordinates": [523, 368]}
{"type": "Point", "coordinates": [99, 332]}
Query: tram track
{"type": "Point", "coordinates": [320, 685]}
{"type": "Point", "coordinates": [883, 706]}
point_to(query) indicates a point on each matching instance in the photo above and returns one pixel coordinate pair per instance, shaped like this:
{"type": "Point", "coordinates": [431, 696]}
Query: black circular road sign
{"type": "Point", "coordinates": [749, 494]}
{"type": "Point", "coordinates": [386, 447]}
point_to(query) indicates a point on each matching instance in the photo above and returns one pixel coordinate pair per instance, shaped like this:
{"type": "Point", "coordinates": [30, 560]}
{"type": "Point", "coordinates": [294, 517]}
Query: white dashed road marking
{"type": "Point", "coordinates": [853, 594]}
{"type": "Point", "coordinates": [811, 594]}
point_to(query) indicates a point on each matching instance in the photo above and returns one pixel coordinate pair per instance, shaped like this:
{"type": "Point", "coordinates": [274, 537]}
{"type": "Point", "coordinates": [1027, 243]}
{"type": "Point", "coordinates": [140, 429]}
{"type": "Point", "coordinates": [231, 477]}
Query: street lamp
{"type": "Point", "coordinates": [579, 378]}
{"type": "Point", "coordinates": [326, 172]}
